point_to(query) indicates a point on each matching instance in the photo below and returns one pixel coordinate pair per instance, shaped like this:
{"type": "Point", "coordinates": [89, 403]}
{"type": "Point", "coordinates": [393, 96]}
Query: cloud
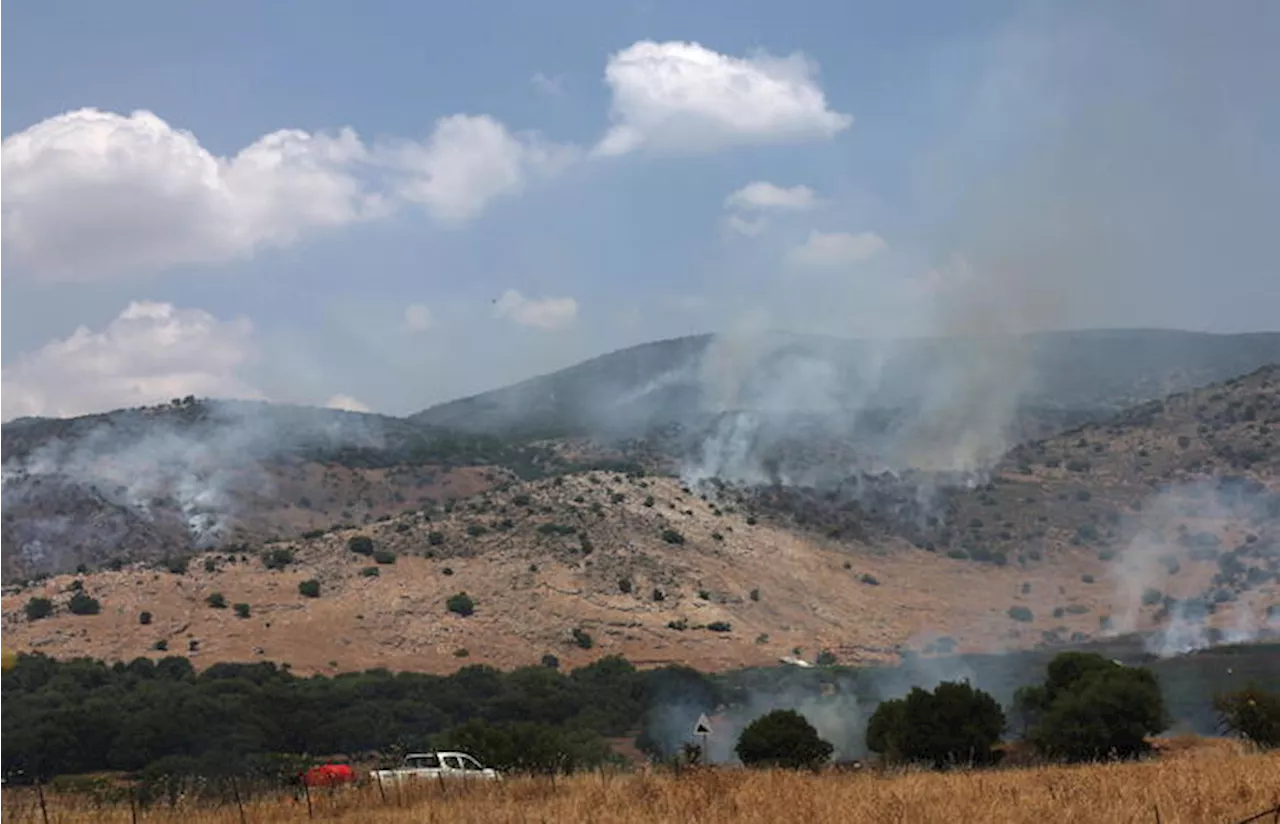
{"type": "Point", "coordinates": [150, 353]}
{"type": "Point", "coordinates": [677, 97]}
{"type": "Point", "coordinates": [745, 226]}
{"type": "Point", "coordinates": [546, 313]}
{"type": "Point", "coordinates": [347, 403]}
{"type": "Point", "coordinates": [468, 161]}
{"type": "Point", "coordinates": [89, 194]}
{"type": "Point", "coordinates": [418, 317]}
{"type": "Point", "coordinates": [825, 251]}
{"type": "Point", "coordinates": [548, 85]}
{"type": "Point", "coordinates": [762, 196]}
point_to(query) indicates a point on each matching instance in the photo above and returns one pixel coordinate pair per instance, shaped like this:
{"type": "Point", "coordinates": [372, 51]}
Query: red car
{"type": "Point", "coordinates": [329, 775]}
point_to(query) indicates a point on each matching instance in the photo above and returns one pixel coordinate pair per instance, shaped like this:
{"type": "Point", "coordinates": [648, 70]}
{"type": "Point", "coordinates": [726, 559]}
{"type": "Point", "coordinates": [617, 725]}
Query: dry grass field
{"type": "Point", "coordinates": [1188, 784]}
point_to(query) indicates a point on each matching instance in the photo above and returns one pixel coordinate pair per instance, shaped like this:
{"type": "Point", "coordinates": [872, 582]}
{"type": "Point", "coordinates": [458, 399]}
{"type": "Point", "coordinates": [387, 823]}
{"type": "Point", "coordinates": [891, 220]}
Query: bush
{"type": "Point", "coordinates": [476, 530]}
{"type": "Point", "coordinates": [1250, 713]}
{"type": "Point", "coordinates": [582, 639]}
{"type": "Point", "coordinates": [360, 544]}
{"type": "Point", "coordinates": [384, 556]}
{"type": "Point", "coordinates": [782, 738]}
{"type": "Point", "coordinates": [81, 604]}
{"type": "Point", "coordinates": [461, 604]}
{"type": "Point", "coordinates": [720, 626]}
{"type": "Point", "coordinates": [38, 608]}
{"type": "Point", "coordinates": [242, 610]}
{"type": "Point", "coordinates": [754, 595]}
{"type": "Point", "coordinates": [550, 661]}
{"type": "Point", "coordinates": [370, 572]}
{"type": "Point", "coordinates": [160, 646]}
{"type": "Point", "coordinates": [277, 558]}
{"type": "Point", "coordinates": [672, 537]}
{"type": "Point", "coordinates": [144, 618]}
{"type": "Point", "coordinates": [1091, 708]}
{"type": "Point", "coordinates": [309, 588]}
{"type": "Point", "coordinates": [953, 725]}
{"type": "Point", "coordinates": [1021, 614]}
{"type": "Point", "coordinates": [435, 538]}
{"type": "Point", "coordinates": [176, 565]}
{"type": "Point", "coordinates": [624, 585]}
{"type": "Point", "coordinates": [868, 578]}
{"type": "Point", "coordinates": [826, 658]}
{"type": "Point", "coordinates": [216, 600]}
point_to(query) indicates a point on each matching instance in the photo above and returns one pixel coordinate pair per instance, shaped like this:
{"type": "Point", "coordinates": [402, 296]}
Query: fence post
{"type": "Point", "coordinates": [235, 789]}
{"type": "Point", "coordinates": [306, 790]}
{"type": "Point", "coordinates": [381, 790]}
{"type": "Point", "coordinates": [133, 804]}
{"type": "Point", "coordinates": [44, 809]}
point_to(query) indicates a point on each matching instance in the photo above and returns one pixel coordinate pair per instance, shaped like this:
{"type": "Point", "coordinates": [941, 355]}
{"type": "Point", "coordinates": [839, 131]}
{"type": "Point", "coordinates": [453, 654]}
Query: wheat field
{"type": "Point", "coordinates": [1213, 786]}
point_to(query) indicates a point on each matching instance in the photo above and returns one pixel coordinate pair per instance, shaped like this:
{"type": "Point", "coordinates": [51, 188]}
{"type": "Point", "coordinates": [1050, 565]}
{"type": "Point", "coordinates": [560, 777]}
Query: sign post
{"type": "Point", "coordinates": [702, 729]}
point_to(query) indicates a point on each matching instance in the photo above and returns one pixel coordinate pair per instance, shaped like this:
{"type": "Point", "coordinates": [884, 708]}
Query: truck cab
{"type": "Point", "coordinates": [438, 765]}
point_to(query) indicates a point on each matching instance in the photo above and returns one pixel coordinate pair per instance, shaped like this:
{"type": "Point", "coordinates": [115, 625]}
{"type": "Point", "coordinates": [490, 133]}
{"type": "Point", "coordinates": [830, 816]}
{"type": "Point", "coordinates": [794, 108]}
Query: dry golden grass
{"type": "Point", "coordinates": [1183, 789]}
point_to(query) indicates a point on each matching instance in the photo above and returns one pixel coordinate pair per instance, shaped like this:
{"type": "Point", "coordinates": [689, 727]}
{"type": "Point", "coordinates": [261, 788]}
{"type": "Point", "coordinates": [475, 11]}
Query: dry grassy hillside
{"type": "Point", "coordinates": [640, 565]}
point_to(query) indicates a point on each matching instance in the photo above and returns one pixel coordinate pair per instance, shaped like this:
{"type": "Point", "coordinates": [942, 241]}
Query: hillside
{"type": "Point", "coordinates": [684, 380]}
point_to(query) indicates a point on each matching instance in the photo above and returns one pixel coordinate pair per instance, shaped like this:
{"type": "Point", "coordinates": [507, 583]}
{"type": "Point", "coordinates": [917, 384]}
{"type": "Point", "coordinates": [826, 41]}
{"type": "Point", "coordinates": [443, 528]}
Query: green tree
{"type": "Point", "coordinates": [309, 588]}
{"type": "Point", "coordinates": [242, 610]}
{"type": "Point", "coordinates": [1251, 713]}
{"type": "Point", "coordinates": [952, 725]}
{"type": "Point", "coordinates": [360, 544]}
{"type": "Point", "coordinates": [782, 738]}
{"type": "Point", "coordinates": [38, 608]}
{"type": "Point", "coordinates": [82, 604]}
{"type": "Point", "coordinates": [1091, 708]}
{"type": "Point", "coordinates": [217, 600]}
{"type": "Point", "coordinates": [461, 604]}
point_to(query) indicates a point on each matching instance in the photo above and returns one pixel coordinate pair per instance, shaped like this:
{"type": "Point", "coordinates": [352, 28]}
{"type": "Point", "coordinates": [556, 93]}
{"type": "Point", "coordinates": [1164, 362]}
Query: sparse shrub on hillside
{"type": "Point", "coordinates": [309, 588]}
{"type": "Point", "coordinates": [476, 530]}
{"type": "Point", "coordinates": [435, 538]}
{"type": "Point", "coordinates": [161, 646]}
{"type": "Point", "coordinates": [370, 572]}
{"type": "Point", "coordinates": [1251, 713]}
{"type": "Point", "coordinates": [550, 661]}
{"type": "Point", "coordinates": [754, 595]}
{"type": "Point", "coordinates": [954, 725]}
{"type": "Point", "coordinates": [384, 556]}
{"type": "Point", "coordinates": [216, 600]}
{"type": "Point", "coordinates": [1091, 708]}
{"type": "Point", "coordinates": [624, 586]}
{"type": "Point", "coordinates": [312, 534]}
{"type": "Point", "coordinates": [1151, 597]}
{"type": "Point", "coordinates": [1078, 465]}
{"type": "Point", "coordinates": [210, 565]}
{"type": "Point", "coordinates": [716, 536]}
{"type": "Point", "coordinates": [648, 501]}
{"type": "Point", "coordinates": [144, 617]}
{"type": "Point", "coordinates": [176, 564]}
{"type": "Point", "coordinates": [82, 604]}
{"type": "Point", "coordinates": [1106, 554]}
{"type": "Point", "coordinates": [720, 626]}
{"type": "Point", "coordinates": [672, 537]}
{"type": "Point", "coordinates": [461, 604]}
{"type": "Point", "coordinates": [782, 738]}
{"type": "Point", "coordinates": [278, 558]}
{"type": "Point", "coordinates": [38, 608]}
{"type": "Point", "coordinates": [1086, 578]}
{"type": "Point", "coordinates": [1020, 613]}
{"type": "Point", "coordinates": [869, 579]}
{"type": "Point", "coordinates": [826, 658]}
{"type": "Point", "coordinates": [958, 554]}
{"type": "Point", "coordinates": [556, 529]}
{"type": "Point", "coordinates": [679, 624]}
{"type": "Point", "coordinates": [242, 610]}
{"type": "Point", "coordinates": [582, 638]}
{"type": "Point", "coordinates": [617, 498]}
{"type": "Point", "coordinates": [659, 595]}
{"type": "Point", "coordinates": [360, 544]}
{"type": "Point", "coordinates": [521, 500]}
{"type": "Point", "coordinates": [752, 521]}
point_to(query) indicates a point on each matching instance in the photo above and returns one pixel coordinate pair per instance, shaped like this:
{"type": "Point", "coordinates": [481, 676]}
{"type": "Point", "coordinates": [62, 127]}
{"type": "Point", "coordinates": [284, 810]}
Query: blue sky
{"type": "Point", "coordinates": [522, 186]}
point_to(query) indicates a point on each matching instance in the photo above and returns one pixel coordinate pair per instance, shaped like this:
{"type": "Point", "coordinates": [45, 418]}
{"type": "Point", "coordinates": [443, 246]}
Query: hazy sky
{"type": "Point", "coordinates": [389, 204]}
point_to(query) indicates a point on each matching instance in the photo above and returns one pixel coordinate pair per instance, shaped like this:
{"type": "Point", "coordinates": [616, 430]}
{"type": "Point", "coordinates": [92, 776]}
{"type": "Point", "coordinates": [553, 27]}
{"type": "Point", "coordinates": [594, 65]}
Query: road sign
{"type": "Point", "coordinates": [703, 727]}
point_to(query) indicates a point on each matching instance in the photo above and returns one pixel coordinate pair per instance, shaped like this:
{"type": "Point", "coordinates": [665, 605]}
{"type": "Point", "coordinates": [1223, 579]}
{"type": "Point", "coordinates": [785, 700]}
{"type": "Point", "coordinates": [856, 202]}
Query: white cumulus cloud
{"type": "Point", "coordinates": [543, 313]}
{"type": "Point", "coordinates": [152, 352]}
{"type": "Point", "coordinates": [346, 403]}
{"type": "Point", "coordinates": [829, 250]}
{"type": "Point", "coordinates": [417, 317]}
{"type": "Point", "coordinates": [677, 97]}
{"type": "Point", "coordinates": [468, 161]}
{"type": "Point", "coordinates": [89, 194]}
{"type": "Point", "coordinates": [763, 197]}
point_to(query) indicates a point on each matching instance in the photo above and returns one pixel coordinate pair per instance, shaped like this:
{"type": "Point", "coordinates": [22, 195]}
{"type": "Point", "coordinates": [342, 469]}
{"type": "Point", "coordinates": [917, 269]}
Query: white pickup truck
{"type": "Point", "coordinates": [437, 765]}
